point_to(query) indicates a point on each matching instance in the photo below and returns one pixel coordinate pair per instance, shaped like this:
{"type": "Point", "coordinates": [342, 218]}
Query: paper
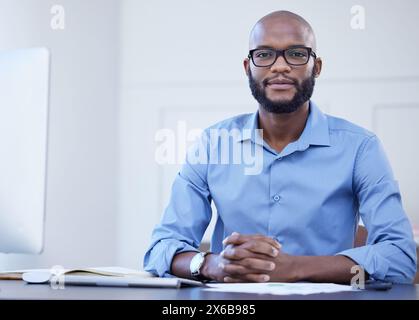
{"type": "Point", "coordinates": [279, 288]}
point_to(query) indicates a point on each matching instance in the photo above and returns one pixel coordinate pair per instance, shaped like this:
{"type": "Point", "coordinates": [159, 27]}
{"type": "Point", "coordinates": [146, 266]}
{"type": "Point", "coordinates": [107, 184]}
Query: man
{"type": "Point", "coordinates": [297, 218]}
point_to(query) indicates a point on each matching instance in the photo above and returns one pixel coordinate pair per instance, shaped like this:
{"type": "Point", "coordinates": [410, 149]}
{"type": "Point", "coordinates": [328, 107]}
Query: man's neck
{"type": "Point", "coordinates": [281, 129]}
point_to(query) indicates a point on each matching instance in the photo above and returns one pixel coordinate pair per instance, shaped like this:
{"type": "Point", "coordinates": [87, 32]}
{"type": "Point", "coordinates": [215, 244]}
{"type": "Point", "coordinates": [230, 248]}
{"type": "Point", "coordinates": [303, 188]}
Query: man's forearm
{"type": "Point", "coordinates": [210, 270]}
{"type": "Point", "coordinates": [336, 269]}
{"type": "Point", "coordinates": [180, 264]}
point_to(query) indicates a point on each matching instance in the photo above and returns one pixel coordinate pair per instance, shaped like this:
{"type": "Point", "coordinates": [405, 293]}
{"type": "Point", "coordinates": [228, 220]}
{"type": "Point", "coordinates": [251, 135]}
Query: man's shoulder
{"type": "Point", "coordinates": [339, 125]}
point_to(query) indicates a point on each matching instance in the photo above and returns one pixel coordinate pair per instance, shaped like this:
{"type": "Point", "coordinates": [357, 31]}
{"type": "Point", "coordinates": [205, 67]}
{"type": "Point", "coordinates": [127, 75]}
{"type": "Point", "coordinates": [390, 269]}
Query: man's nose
{"type": "Point", "coordinates": [280, 65]}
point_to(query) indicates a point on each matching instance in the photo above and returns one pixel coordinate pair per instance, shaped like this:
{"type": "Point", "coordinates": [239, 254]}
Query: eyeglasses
{"type": "Point", "coordinates": [295, 56]}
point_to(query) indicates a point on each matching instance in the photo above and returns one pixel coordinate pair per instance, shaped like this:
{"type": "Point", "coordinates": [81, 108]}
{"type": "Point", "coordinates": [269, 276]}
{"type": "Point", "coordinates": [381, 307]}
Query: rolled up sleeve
{"type": "Point", "coordinates": [186, 217]}
{"type": "Point", "coordinates": [390, 251]}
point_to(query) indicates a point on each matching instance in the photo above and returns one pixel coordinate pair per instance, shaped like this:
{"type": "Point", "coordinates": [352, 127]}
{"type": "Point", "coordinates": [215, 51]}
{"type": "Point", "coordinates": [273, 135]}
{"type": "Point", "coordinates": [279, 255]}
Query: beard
{"type": "Point", "coordinates": [303, 94]}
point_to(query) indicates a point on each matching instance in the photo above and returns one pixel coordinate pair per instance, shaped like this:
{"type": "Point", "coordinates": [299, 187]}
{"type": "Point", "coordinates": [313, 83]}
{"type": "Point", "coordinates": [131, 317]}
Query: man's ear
{"type": "Point", "coordinates": [246, 65]}
{"type": "Point", "coordinates": [318, 63]}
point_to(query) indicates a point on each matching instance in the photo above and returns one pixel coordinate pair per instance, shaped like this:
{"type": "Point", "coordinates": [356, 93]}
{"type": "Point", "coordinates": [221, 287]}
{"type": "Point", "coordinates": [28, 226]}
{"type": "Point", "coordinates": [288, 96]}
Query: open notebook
{"type": "Point", "coordinates": [98, 276]}
{"type": "Point", "coordinates": [101, 271]}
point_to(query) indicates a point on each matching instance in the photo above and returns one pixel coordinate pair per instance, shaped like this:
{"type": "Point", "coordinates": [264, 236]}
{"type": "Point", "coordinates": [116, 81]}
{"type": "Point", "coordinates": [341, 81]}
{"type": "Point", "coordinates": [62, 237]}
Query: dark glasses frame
{"type": "Point", "coordinates": [279, 52]}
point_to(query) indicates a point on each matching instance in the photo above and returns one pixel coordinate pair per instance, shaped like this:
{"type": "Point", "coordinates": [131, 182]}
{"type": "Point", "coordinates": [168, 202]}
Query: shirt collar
{"type": "Point", "coordinates": [316, 130]}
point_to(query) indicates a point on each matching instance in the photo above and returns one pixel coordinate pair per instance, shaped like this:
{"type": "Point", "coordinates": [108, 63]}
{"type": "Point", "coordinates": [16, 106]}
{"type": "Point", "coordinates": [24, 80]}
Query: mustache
{"type": "Point", "coordinates": [265, 81]}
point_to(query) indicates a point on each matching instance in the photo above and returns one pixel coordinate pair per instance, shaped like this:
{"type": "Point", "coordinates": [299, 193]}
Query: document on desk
{"type": "Point", "coordinates": [102, 271]}
{"type": "Point", "coordinates": [279, 288]}
{"type": "Point", "coordinates": [132, 281]}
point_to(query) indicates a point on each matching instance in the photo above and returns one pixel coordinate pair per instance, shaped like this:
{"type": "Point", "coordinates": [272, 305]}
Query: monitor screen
{"type": "Point", "coordinates": [24, 83]}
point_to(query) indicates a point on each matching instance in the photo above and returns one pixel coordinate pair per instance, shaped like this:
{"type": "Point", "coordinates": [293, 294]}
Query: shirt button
{"type": "Point", "coordinates": [280, 158]}
{"type": "Point", "coordinates": [276, 198]}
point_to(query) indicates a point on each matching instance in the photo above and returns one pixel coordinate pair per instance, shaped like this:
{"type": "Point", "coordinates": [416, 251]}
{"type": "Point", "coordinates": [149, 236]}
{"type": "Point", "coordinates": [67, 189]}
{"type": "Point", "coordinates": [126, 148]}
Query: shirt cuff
{"type": "Point", "coordinates": [159, 258]}
{"type": "Point", "coordinates": [369, 259]}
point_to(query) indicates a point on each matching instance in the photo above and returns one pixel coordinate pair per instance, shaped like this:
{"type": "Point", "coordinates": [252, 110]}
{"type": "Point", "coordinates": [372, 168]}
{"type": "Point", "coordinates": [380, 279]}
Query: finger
{"type": "Point", "coordinates": [248, 278]}
{"type": "Point", "coordinates": [256, 264]}
{"type": "Point", "coordinates": [234, 235]}
{"type": "Point", "coordinates": [248, 265]}
{"type": "Point", "coordinates": [240, 252]}
{"type": "Point", "coordinates": [257, 277]}
{"type": "Point", "coordinates": [261, 247]}
{"type": "Point", "coordinates": [232, 280]}
{"type": "Point", "coordinates": [238, 239]}
{"type": "Point", "coordinates": [234, 269]}
{"type": "Point", "coordinates": [268, 240]}
{"type": "Point", "coordinates": [235, 253]}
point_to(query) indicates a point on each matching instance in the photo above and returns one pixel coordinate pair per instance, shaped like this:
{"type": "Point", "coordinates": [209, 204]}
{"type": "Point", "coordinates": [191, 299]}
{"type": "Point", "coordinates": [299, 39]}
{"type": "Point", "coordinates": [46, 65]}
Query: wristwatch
{"type": "Point", "coordinates": [197, 263]}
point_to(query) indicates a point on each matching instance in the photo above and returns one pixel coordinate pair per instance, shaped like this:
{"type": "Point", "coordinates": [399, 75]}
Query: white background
{"type": "Point", "coordinates": [121, 70]}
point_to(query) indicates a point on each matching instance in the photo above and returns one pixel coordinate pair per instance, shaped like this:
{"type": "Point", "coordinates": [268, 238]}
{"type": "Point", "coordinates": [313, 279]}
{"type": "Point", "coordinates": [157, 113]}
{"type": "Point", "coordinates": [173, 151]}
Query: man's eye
{"type": "Point", "coordinates": [263, 54]}
{"type": "Point", "coordinates": [297, 54]}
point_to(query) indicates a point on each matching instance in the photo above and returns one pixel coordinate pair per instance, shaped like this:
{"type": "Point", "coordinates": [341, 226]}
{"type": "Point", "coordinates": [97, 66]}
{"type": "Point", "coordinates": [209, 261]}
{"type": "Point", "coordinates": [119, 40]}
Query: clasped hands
{"type": "Point", "coordinates": [251, 258]}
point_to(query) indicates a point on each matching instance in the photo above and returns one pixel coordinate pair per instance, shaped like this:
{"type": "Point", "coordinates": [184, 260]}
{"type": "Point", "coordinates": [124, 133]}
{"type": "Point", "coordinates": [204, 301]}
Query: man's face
{"type": "Point", "coordinates": [282, 34]}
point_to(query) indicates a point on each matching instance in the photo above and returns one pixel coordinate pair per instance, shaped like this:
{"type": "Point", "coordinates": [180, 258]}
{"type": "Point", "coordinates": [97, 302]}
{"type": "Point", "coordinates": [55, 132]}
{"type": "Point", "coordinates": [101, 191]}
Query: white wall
{"type": "Point", "coordinates": [170, 71]}
{"type": "Point", "coordinates": [81, 188]}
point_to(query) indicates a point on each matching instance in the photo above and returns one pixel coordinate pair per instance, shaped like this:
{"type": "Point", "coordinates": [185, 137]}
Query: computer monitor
{"type": "Point", "coordinates": [24, 84]}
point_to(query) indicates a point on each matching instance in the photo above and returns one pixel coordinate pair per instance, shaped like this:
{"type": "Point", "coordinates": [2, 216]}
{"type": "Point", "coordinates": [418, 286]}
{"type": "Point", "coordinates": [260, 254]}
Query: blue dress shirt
{"type": "Point", "coordinates": [309, 197]}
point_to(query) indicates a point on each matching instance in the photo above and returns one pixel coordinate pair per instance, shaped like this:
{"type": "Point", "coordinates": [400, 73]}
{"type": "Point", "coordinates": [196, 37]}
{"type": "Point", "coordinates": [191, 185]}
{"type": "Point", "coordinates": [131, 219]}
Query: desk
{"type": "Point", "coordinates": [10, 289]}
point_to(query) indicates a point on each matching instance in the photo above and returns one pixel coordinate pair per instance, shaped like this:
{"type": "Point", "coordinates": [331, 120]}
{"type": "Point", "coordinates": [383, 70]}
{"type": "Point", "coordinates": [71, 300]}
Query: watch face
{"type": "Point", "coordinates": [196, 264]}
